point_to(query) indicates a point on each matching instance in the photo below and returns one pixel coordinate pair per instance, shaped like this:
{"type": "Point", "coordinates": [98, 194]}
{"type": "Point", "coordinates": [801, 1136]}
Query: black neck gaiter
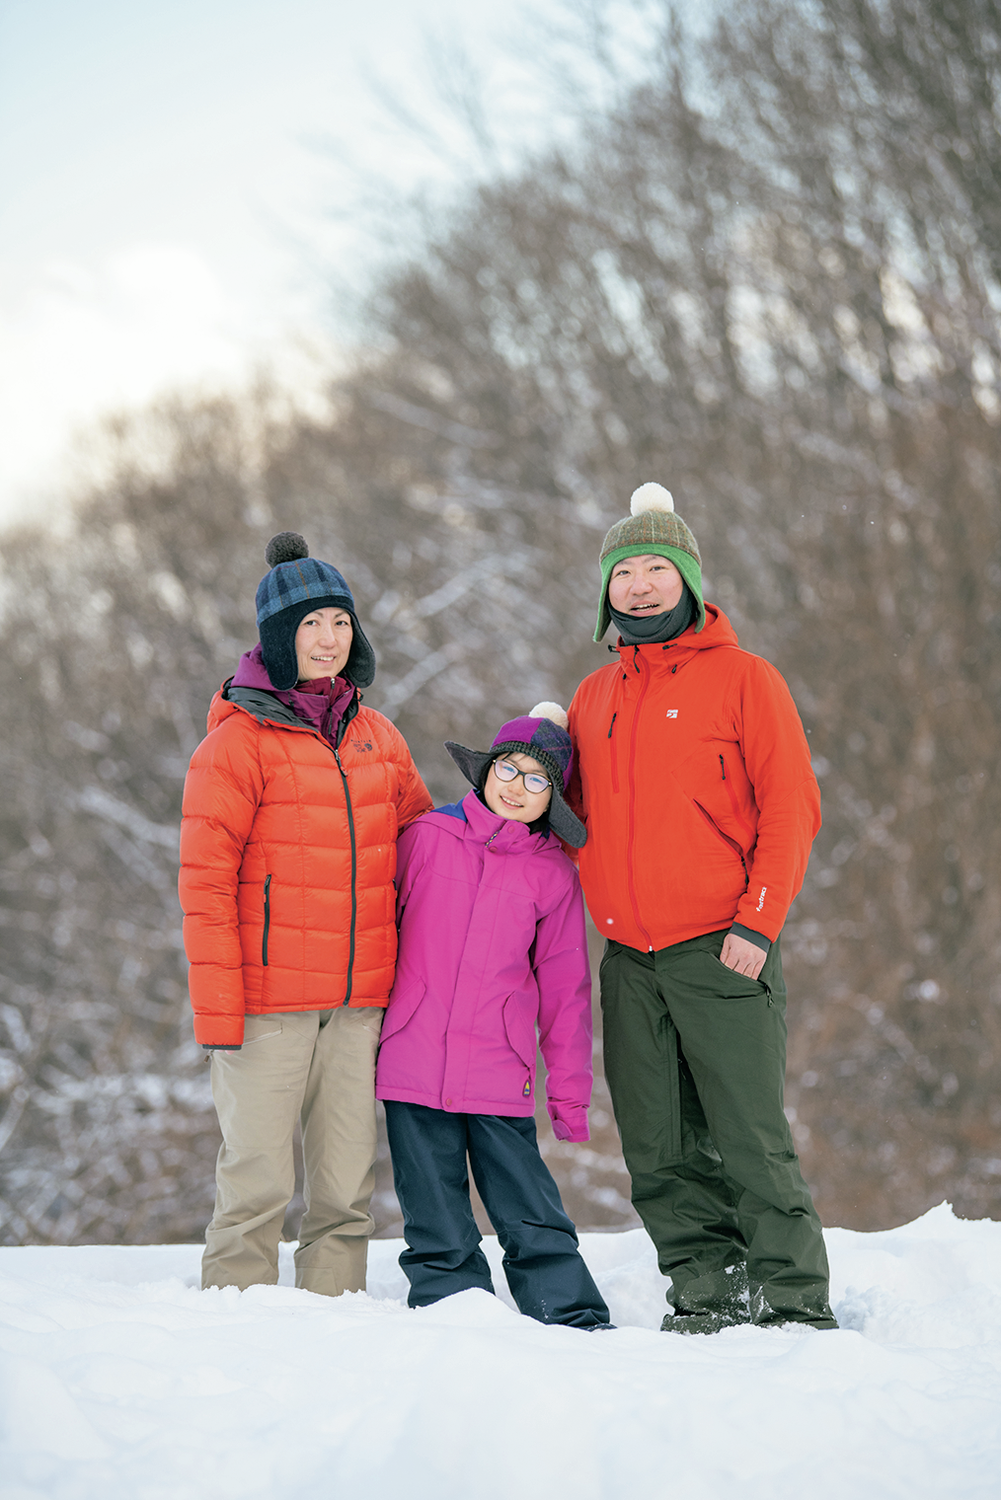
{"type": "Point", "coordinates": [654, 630]}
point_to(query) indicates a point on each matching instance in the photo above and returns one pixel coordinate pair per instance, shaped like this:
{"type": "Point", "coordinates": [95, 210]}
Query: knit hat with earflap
{"type": "Point", "coordinates": [542, 734]}
{"type": "Point", "coordinates": [297, 585]}
{"type": "Point", "coordinates": [651, 527]}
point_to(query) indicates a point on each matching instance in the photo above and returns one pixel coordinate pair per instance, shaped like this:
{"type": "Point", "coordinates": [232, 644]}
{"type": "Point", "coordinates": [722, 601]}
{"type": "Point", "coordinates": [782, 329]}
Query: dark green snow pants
{"type": "Point", "coordinates": [695, 1063]}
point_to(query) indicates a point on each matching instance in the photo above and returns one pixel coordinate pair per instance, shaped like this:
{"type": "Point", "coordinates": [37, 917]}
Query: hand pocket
{"type": "Point", "coordinates": [260, 1029]}
{"type": "Point", "coordinates": [402, 1005]}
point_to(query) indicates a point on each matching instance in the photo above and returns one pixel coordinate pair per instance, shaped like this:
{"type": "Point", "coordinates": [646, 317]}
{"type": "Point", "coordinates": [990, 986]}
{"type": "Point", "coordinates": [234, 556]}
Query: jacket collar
{"type": "Point", "coordinates": [267, 708]}
{"type": "Point", "coordinates": [717, 632]}
{"type": "Point", "coordinates": [482, 826]}
{"type": "Point", "coordinates": [501, 833]}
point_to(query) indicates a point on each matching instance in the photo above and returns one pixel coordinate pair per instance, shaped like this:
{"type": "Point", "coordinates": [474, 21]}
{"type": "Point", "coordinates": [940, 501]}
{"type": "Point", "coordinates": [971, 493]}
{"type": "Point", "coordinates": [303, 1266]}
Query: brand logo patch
{"type": "Point", "coordinates": [761, 898]}
{"type": "Point", "coordinates": [362, 744]}
{"type": "Point", "coordinates": [672, 713]}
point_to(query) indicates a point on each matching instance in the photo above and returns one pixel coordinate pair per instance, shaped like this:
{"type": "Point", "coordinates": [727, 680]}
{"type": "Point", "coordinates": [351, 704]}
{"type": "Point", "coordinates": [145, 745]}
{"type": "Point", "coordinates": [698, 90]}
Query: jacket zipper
{"type": "Point", "coordinates": [730, 843]}
{"type": "Point", "coordinates": [733, 801]}
{"type": "Point", "coordinates": [267, 920]}
{"type": "Point", "coordinates": [354, 878]}
{"type": "Point", "coordinates": [630, 863]}
{"type": "Point", "coordinates": [346, 718]}
{"type": "Point", "coordinates": [614, 758]}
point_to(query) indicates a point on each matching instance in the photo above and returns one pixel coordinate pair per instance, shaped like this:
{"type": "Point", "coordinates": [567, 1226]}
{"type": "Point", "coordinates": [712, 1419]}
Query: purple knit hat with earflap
{"type": "Point", "coordinates": [542, 734]}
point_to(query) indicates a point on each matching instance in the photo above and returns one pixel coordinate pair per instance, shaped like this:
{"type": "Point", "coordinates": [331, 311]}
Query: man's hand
{"type": "Point", "coordinates": [741, 956]}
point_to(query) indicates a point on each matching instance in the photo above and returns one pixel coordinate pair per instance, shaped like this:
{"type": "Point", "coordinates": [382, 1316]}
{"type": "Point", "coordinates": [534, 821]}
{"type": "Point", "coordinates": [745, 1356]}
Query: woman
{"type": "Point", "coordinates": [292, 806]}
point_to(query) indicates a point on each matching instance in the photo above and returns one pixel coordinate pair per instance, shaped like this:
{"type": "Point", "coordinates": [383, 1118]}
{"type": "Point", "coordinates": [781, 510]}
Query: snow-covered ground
{"type": "Point", "coordinates": [122, 1381]}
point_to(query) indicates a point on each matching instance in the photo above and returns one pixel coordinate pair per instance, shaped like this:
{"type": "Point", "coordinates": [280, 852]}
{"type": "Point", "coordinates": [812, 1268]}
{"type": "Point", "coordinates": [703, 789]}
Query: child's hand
{"type": "Point", "coordinates": [569, 1123]}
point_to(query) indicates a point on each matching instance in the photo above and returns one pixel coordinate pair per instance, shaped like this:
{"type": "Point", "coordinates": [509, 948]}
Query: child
{"type": "Point", "coordinates": [492, 945]}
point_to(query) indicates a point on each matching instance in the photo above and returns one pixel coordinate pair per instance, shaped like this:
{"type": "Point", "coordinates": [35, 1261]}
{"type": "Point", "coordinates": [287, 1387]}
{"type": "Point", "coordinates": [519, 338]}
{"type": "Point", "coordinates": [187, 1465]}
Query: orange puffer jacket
{"type": "Point", "coordinates": [693, 776]}
{"type": "Point", "coordinates": [288, 853]}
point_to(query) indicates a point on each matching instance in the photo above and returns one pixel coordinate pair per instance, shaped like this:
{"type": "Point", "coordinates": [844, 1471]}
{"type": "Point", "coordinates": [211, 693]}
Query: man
{"type": "Point", "coordinates": [701, 807]}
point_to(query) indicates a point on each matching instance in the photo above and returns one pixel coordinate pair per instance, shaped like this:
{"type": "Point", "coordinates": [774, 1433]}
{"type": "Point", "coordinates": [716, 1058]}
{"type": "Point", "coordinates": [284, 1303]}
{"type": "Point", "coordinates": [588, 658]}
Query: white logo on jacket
{"type": "Point", "coordinates": [672, 713]}
{"type": "Point", "coordinates": [761, 898]}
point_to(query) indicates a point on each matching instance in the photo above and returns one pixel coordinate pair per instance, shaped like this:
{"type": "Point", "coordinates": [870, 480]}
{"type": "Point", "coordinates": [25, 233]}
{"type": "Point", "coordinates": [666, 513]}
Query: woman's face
{"type": "Point", "coordinates": [323, 643]}
{"type": "Point", "coordinates": [512, 799]}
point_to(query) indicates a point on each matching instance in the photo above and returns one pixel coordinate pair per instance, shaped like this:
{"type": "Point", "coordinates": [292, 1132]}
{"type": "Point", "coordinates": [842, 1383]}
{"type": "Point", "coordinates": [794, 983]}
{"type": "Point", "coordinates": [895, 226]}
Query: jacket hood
{"type": "Point", "coordinates": [251, 671]}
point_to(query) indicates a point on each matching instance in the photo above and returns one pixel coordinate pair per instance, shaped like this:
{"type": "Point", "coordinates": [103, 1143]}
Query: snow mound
{"type": "Point", "coordinates": [121, 1379]}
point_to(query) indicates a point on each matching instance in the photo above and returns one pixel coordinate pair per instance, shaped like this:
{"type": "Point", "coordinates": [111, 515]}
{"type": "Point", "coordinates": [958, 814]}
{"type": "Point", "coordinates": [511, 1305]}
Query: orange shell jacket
{"type": "Point", "coordinates": [693, 777]}
{"type": "Point", "coordinates": [288, 853]}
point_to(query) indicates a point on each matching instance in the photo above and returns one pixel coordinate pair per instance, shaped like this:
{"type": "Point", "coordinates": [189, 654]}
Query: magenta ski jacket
{"type": "Point", "coordinates": [492, 952]}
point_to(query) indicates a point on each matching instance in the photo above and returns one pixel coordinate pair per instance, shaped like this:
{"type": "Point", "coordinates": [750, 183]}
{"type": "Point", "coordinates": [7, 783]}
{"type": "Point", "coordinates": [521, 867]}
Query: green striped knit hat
{"type": "Point", "coordinates": [651, 527]}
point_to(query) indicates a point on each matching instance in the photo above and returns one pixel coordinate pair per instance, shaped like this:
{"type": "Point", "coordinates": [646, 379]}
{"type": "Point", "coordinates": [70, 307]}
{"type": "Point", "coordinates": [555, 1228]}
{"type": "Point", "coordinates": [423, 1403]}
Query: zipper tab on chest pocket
{"type": "Point", "coordinates": [267, 920]}
{"type": "Point", "coordinates": [612, 754]}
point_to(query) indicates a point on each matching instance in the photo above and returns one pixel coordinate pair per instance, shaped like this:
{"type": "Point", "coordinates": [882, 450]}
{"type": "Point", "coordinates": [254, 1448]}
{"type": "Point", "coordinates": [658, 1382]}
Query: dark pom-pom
{"type": "Point", "coordinates": [287, 546]}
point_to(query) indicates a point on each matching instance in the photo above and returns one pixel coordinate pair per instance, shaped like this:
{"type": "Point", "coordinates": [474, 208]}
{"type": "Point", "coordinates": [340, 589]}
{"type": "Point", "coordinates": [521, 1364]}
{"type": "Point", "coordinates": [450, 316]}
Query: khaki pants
{"type": "Point", "coordinates": [320, 1066]}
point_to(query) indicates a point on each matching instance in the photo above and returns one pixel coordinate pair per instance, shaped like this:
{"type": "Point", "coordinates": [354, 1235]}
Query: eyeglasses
{"type": "Point", "coordinates": [534, 782]}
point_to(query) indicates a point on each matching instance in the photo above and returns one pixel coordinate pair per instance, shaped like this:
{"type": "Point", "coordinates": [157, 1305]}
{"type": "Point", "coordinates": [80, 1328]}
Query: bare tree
{"type": "Point", "coordinates": [771, 281]}
{"type": "Point", "coordinates": [765, 274]}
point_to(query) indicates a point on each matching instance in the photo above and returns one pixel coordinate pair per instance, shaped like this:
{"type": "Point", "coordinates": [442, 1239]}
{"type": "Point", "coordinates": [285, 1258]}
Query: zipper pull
{"type": "Point", "coordinates": [612, 725]}
{"type": "Point", "coordinates": [722, 766]}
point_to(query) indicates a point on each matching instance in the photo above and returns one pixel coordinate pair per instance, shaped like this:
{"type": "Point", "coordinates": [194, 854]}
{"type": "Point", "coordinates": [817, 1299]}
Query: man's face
{"type": "Point", "coordinates": [647, 585]}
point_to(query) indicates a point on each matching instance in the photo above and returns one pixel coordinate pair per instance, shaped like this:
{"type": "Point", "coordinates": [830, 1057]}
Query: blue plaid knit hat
{"type": "Point", "coordinates": [296, 585]}
{"type": "Point", "coordinates": [542, 734]}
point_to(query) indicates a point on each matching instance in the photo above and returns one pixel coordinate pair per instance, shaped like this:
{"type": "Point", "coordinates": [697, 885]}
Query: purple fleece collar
{"type": "Point", "coordinates": [322, 708]}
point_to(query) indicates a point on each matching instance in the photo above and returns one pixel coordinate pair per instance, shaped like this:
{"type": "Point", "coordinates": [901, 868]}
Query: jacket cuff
{"type": "Point", "coordinates": [739, 930]}
{"type": "Point", "coordinates": [566, 1130]}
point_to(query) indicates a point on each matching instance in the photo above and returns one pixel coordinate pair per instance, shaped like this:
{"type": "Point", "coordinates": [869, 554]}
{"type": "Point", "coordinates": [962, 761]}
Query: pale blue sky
{"type": "Point", "coordinates": [162, 200]}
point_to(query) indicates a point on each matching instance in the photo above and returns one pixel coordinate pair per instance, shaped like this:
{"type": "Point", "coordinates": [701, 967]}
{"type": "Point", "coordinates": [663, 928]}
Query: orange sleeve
{"type": "Point", "coordinates": [414, 800]}
{"type": "Point", "coordinates": [222, 793]}
{"type": "Point", "coordinates": [777, 759]}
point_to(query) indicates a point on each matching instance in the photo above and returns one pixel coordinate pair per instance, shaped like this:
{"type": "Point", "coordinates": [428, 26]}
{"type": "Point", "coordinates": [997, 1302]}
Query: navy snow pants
{"type": "Point", "coordinates": [545, 1270]}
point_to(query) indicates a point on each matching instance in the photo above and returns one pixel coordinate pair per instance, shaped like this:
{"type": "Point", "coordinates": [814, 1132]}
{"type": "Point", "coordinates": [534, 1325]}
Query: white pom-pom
{"type": "Point", "coordinates": [650, 497]}
{"type": "Point", "coordinates": [550, 711]}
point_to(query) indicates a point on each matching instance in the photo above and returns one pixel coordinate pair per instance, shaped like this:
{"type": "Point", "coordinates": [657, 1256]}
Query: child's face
{"type": "Point", "coordinates": [512, 799]}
